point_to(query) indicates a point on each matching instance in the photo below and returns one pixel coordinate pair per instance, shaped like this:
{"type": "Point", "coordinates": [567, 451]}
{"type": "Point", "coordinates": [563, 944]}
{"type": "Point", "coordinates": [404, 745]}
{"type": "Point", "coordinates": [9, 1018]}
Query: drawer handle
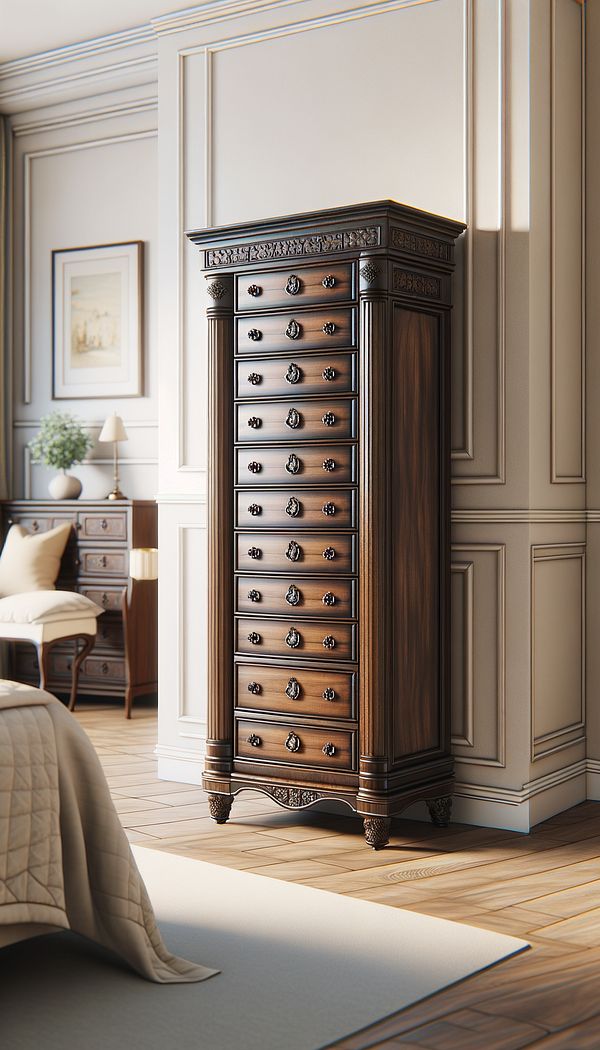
{"type": "Point", "coordinates": [105, 600]}
{"type": "Point", "coordinates": [293, 374]}
{"type": "Point", "coordinates": [254, 290]}
{"type": "Point", "coordinates": [255, 335]}
{"type": "Point", "coordinates": [35, 526]}
{"type": "Point", "coordinates": [254, 596]}
{"type": "Point", "coordinates": [328, 281]}
{"type": "Point", "coordinates": [329, 642]}
{"type": "Point", "coordinates": [329, 553]}
{"type": "Point", "coordinates": [328, 418]}
{"type": "Point", "coordinates": [293, 638]}
{"type": "Point", "coordinates": [254, 378]}
{"type": "Point", "coordinates": [253, 740]}
{"type": "Point", "coordinates": [293, 465]}
{"type": "Point", "coordinates": [293, 742]}
{"type": "Point", "coordinates": [254, 509]}
{"type": "Point", "coordinates": [293, 419]}
{"type": "Point", "coordinates": [104, 524]}
{"type": "Point", "coordinates": [254, 637]}
{"type": "Point", "coordinates": [328, 749]}
{"type": "Point", "coordinates": [293, 330]}
{"type": "Point", "coordinates": [104, 561]}
{"type": "Point", "coordinates": [293, 689]}
{"type": "Point", "coordinates": [105, 668]}
{"type": "Point", "coordinates": [328, 694]}
{"type": "Point", "coordinates": [293, 284]}
{"type": "Point", "coordinates": [254, 422]}
{"type": "Point", "coordinates": [254, 552]}
{"type": "Point", "coordinates": [253, 687]}
{"type": "Point", "coordinates": [293, 507]}
{"type": "Point", "coordinates": [328, 374]}
{"type": "Point", "coordinates": [329, 328]}
{"type": "Point", "coordinates": [328, 598]}
{"type": "Point", "coordinates": [328, 509]}
{"type": "Point", "coordinates": [293, 595]}
{"type": "Point", "coordinates": [254, 467]}
{"type": "Point", "coordinates": [294, 551]}
{"type": "Point", "coordinates": [329, 465]}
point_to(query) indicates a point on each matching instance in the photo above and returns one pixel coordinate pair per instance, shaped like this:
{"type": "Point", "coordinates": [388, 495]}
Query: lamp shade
{"type": "Point", "coordinates": [113, 429]}
{"type": "Point", "coordinates": [143, 563]}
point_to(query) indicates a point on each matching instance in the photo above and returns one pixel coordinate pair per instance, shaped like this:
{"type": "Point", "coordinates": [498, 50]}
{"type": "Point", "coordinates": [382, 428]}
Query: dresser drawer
{"type": "Point", "coordinates": [304, 464]}
{"type": "Point", "coordinates": [296, 691]}
{"type": "Point", "coordinates": [109, 598]}
{"type": "Point", "coordinates": [103, 562]}
{"type": "Point", "coordinates": [109, 526]}
{"type": "Point", "coordinates": [319, 552]}
{"type": "Point", "coordinates": [41, 522]}
{"type": "Point", "coordinates": [306, 330]}
{"type": "Point", "coordinates": [311, 374]}
{"type": "Point", "coordinates": [104, 669]}
{"type": "Point", "coordinates": [296, 640]}
{"type": "Point", "coordinates": [293, 744]}
{"type": "Point", "coordinates": [110, 633]}
{"type": "Point", "coordinates": [307, 420]}
{"type": "Point", "coordinates": [303, 286]}
{"type": "Point", "coordinates": [274, 596]}
{"type": "Point", "coordinates": [285, 508]}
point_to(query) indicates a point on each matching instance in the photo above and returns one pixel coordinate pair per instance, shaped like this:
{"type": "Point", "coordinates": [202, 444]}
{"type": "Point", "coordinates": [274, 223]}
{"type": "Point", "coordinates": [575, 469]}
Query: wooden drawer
{"type": "Point", "coordinates": [304, 465]}
{"type": "Point", "coordinates": [303, 286]}
{"type": "Point", "coordinates": [109, 526]}
{"type": "Point", "coordinates": [284, 508]}
{"type": "Point", "coordinates": [41, 522]}
{"type": "Point", "coordinates": [307, 420]}
{"type": "Point", "coordinates": [328, 694]}
{"type": "Point", "coordinates": [277, 596]}
{"type": "Point", "coordinates": [306, 330]}
{"type": "Point", "coordinates": [110, 633]}
{"type": "Point", "coordinates": [273, 742]}
{"type": "Point", "coordinates": [104, 669]}
{"type": "Point", "coordinates": [296, 640]}
{"type": "Point", "coordinates": [108, 598]}
{"type": "Point", "coordinates": [103, 563]}
{"type": "Point", "coordinates": [318, 552]}
{"type": "Point", "coordinates": [312, 374]}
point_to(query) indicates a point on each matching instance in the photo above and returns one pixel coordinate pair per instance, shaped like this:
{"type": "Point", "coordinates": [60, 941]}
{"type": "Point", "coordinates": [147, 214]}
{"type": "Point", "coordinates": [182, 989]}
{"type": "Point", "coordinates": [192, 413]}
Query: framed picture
{"type": "Point", "coordinates": [97, 312]}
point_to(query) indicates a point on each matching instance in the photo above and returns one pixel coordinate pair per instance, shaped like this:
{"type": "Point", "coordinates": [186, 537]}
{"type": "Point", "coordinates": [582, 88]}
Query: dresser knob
{"type": "Point", "coordinates": [293, 419]}
{"type": "Point", "coordinates": [105, 600]}
{"type": "Point", "coordinates": [293, 465]}
{"type": "Point", "coordinates": [328, 374]}
{"type": "Point", "coordinates": [294, 551]}
{"type": "Point", "coordinates": [254, 596]}
{"type": "Point", "coordinates": [255, 335]}
{"type": "Point", "coordinates": [329, 553]}
{"type": "Point", "coordinates": [254, 637]}
{"type": "Point", "coordinates": [104, 524]}
{"type": "Point", "coordinates": [329, 642]}
{"type": "Point", "coordinates": [105, 668]}
{"type": "Point", "coordinates": [328, 328]}
{"type": "Point", "coordinates": [254, 467]}
{"type": "Point", "coordinates": [254, 290]}
{"type": "Point", "coordinates": [327, 694]}
{"type": "Point", "coordinates": [254, 378]}
{"type": "Point", "coordinates": [328, 509]}
{"type": "Point", "coordinates": [293, 742]}
{"type": "Point", "coordinates": [293, 595]}
{"type": "Point", "coordinates": [293, 330]}
{"type": "Point", "coordinates": [253, 687]}
{"type": "Point", "coordinates": [293, 507]}
{"type": "Point", "coordinates": [328, 281]}
{"type": "Point", "coordinates": [104, 561]}
{"type": "Point", "coordinates": [293, 374]}
{"type": "Point", "coordinates": [254, 422]}
{"type": "Point", "coordinates": [328, 749]}
{"type": "Point", "coordinates": [328, 598]}
{"type": "Point", "coordinates": [254, 552]}
{"type": "Point", "coordinates": [293, 689]}
{"type": "Point", "coordinates": [254, 740]}
{"type": "Point", "coordinates": [35, 526]}
{"type": "Point", "coordinates": [293, 638]}
{"type": "Point", "coordinates": [293, 284]}
{"type": "Point", "coordinates": [254, 509]}
{"type": "Point", "coordinates": [328, 419]}
{"type": "Point", "coordinates": [328, 464]}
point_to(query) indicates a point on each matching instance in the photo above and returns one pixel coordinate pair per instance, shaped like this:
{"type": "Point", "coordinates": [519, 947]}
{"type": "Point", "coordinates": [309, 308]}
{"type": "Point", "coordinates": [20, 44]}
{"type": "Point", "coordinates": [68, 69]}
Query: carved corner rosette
{"type": "Point", "coordinates": [219, 293]}
{"type": "Point", "coordinates": [372, 274]}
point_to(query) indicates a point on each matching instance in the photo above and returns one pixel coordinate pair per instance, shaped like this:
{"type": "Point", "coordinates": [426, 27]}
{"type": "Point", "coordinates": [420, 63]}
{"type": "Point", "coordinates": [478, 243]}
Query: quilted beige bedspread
{"type": "Point", "coordinates": [65, 862]}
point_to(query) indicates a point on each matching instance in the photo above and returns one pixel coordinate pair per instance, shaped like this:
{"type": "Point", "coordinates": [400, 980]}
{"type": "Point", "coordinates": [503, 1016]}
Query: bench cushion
{"type": "Point", "coordinates": [41, 607]}
{"type": "Point", "coordinates": [32, 562]}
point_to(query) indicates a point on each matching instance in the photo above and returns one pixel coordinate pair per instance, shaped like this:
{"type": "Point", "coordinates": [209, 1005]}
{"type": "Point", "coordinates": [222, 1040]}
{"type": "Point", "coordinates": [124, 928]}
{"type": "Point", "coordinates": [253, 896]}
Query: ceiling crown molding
{"type": "Point", "coordinates": [72, 52]}
{"type": "Point", "coordinates": [212, 11]}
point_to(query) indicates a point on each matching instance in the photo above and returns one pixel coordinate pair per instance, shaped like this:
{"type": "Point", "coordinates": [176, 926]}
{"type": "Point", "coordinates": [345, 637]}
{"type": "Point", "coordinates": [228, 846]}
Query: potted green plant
{"type": "Point", "coordinates": [61, 442]}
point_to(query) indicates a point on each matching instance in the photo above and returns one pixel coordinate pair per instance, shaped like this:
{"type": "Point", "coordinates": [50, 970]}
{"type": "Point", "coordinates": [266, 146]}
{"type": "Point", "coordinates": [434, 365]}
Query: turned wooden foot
{"type": "Point", "coordinates": [220, 807]}
{"type": "Point", "coordinates": [377, 831]}
{"type": "Point", "coordinates": [440, 810]}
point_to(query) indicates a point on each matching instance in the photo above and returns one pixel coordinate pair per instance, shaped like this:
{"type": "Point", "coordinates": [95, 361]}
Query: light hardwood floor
{"type": "Point", "coordinates": [544, 887]}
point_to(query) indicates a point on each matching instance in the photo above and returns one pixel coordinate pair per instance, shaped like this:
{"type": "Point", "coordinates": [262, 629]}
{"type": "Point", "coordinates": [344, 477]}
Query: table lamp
{"type": "Point", "coordinates": [139, 608]}
{"type": "Point", "coordinates": [114, 430]}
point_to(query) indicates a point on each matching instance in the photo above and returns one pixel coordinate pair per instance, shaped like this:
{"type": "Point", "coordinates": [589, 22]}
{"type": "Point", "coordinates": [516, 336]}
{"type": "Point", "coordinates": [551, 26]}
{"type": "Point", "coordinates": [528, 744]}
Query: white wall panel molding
{"type": "Point", "coordinates": [180, 499]}
{"type": "Point", "coordinates": [146, 104]}
{"type": "Point", "coordinates": [90, 424]}
{"type": "Point", "coordinates": [180, 764]}
{"type": "Point", "coordinates": [463, 685]}
{"type": "Point", "coordinates": [521, 516]}
{"type": "Point", "coordinates": [530, 789]}
{"type": "Point", "coordinates": [74, 52]}
{"type": "Point", "coordinates": [464, 449]}
{"type": "Point", "coordinates": [190, 633]}
{"type": "Point", "coordinates": [87, 81]}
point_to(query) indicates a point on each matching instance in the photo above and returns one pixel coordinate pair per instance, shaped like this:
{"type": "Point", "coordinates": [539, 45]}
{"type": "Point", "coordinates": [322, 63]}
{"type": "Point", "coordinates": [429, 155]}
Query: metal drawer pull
{"type": "Point", "coordinates": [329, 465]}
{"type": "Point", "coordinates": [254, 378]}
{"type": "Point", "coordinates": [254, 467]}
{"type": "Point", "coordinates": [327, 694]}
{"type": "Point", "coordinates": [255, 335]}
{"type": "Point", "coordinates": [328, 419]}
{"type": "Point", "coordinates": [293, 595]}
{"type": "Point", "coordinates": [328, 374]}
{"type": "Point", "coordinates": [104, 561]}
{"type": "Point", "coordinates": [254, 509]}
{"type": "Point", "coordinates": [254, 637]}
{"type": "Point", "coordinates": [293, 465]}
{"type": "Point", "coordinates": [328, 328]}
{"type": "Point", "coordinates": [293, 374]}
{"type": "Point", "coordinates": [105, 668]}
{"type": "Point", "coordinates": [254, 596]}
{"type": "Point", "coordinates": [254, 552]}
{"type": "Point", "coordinates": [253, 740]}
{"type": "Point", "coordinates": [104, 524]}
{"type": "Point", "coordinates": [254, 290]}
{"type": "Point", "coordinates": [329, 642]}
{"type": "Point", "coordinates": [35, 526]}
{"type": "Point", "coordinates": [253, 687]}
{"type": "Point", "coordinates": [254, 422]}
{"type": "Point", "coordinates": [293, 284]}
{"type": "Point", "coordinates": [293, 507]}
{"type": "Point", "coordinates": [293, 419]}
{"type": "Point", "coordinates": [329, 553]}
{"type": "Point", "coordinates": [328, 749]}
{"type": "Point", "coordinates": [293, 330]}
{"type": "Point", "coordinates": [328, 598]}
{"type": "Point", "coordinates": [293, 689]}
{"type": "Point", "coordinates": [293, 638]}
{"type": "Point", "coordinates": [328, 281]}
{"type": "Point", "coordinates": [294, 551]}
{"type": "Point", "coordinates": [293, 742]}
{"type": "Point", "coordinates": [328, 509]}
{"type": "Point", "coordinates": [105, 600]}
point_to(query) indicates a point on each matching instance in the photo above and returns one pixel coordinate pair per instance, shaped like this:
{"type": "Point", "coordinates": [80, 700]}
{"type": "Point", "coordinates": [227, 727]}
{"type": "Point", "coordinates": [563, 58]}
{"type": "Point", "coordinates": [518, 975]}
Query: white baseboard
{"type": "Point", "coordinates": [180, 764]}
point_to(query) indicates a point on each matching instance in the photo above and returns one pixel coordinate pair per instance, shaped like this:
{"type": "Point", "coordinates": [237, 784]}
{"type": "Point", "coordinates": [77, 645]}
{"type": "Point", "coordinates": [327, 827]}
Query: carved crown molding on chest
{"type": "Point", "coordinates": [293, 247]}
{"type": "Point", "coordinates": [413, 242]}
{"type": "Point", "coordinates": [415, 283]}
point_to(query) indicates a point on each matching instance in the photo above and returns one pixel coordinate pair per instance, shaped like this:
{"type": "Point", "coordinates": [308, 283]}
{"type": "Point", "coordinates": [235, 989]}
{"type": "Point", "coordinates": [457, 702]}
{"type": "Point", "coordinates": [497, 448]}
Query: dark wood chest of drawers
{"type": "Point", "coordinates": [328, 654]}
{"type": "Point", "coordinates": [96, 563]}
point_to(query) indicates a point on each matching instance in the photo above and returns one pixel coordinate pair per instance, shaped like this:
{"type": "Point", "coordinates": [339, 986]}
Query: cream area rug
{"type": "Point", "coordinates": [300, 968]}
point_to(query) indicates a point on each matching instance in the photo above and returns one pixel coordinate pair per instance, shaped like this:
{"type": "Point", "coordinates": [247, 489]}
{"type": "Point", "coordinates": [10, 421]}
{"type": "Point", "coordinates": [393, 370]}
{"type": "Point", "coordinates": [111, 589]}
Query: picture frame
{"type": "Point", "coordinates": [97, 321]}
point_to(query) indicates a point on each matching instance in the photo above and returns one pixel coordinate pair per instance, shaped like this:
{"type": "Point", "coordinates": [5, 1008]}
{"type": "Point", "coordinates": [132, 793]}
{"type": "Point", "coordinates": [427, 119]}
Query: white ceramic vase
{"type": "Point", "coordinates": [65, 486]}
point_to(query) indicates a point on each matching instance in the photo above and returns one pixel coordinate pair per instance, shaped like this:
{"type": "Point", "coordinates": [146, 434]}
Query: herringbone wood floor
{"type": "Point", "coordinates": [544, 887]}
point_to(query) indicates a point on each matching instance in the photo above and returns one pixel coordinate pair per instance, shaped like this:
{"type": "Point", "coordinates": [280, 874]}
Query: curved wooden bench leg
{"type": "Point", "coordinates": [88, 645]}
{"type": "Point", "coordinates": [42, 655]}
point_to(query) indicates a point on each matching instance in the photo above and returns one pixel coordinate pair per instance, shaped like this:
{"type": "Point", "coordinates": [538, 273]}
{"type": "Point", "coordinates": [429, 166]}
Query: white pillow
{"type": "Point", "coordinates": [47, 607]}
{"type": "Point", "coordinates": [32, 562]}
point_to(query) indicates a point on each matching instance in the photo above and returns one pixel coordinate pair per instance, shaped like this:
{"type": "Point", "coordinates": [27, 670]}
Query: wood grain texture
{"type": "Point", "coordinates": [297, 287]}
{"type": "Point", "coordinates": [332, 373]}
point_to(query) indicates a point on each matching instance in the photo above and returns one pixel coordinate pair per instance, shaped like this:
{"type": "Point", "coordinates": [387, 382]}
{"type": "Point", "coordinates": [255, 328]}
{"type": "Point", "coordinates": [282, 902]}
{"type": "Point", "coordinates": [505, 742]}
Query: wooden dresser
{"type": "Point", "coordinates": [96, 563]}
{"type": "Point", "coordinates": [328, 654]}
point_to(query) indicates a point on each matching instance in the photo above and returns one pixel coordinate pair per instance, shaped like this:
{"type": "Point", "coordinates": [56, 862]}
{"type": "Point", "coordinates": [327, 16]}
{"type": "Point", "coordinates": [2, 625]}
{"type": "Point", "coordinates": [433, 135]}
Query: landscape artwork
{"type": "Point", "coordinates": [96, 320]}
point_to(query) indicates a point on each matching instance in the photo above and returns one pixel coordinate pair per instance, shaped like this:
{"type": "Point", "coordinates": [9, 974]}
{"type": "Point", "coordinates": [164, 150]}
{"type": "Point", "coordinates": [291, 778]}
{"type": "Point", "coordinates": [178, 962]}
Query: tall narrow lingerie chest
{"type": "Point", "coordinates": [328, 649]}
